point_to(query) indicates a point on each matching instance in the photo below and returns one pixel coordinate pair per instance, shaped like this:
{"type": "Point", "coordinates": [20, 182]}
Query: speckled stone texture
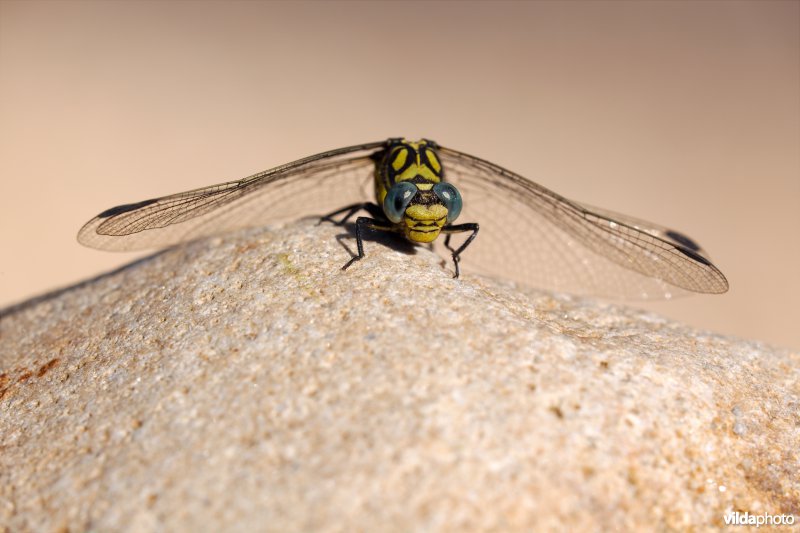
{"type": "Point", "coordinates": [246, 383]}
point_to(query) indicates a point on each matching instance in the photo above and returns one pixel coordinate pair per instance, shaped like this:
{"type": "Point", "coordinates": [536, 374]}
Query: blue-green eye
{"type": "Point", "coordinates": [451, 199]}
{"type": "Point", "coordinates": [397, 200]}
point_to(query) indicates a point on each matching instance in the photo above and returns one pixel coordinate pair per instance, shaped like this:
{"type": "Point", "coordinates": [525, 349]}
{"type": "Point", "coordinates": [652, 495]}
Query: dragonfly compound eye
{"type": "Point", "coordinates": [451, 199]}
{"type": "Point", "coordinates": [397, 200]}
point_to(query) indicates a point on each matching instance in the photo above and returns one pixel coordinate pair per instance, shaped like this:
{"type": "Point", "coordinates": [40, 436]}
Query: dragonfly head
{"type": "Point", "coordinates": [422, 208]}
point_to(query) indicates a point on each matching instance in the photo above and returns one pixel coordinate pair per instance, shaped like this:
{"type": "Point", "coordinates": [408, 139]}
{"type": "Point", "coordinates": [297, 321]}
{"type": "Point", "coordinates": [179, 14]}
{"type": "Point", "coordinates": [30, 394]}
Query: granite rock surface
{"type": "Point", "coordinates": [246, 383]}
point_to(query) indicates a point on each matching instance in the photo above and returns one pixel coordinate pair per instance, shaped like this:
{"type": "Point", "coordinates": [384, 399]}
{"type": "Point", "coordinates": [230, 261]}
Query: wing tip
{"type": "Point", "coordinates": [125, 208]}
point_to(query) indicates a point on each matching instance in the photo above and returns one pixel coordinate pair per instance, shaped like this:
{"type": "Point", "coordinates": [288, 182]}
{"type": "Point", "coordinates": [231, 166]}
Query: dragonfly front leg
{"type": "Point", "coordinates": [460, 228]}
{"type": "Point", "coordinates": [362, 224]}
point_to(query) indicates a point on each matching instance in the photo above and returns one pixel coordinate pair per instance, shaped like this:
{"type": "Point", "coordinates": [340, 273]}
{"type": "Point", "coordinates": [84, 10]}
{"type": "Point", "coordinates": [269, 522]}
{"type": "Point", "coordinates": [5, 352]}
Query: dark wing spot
{"type": "Point", "coordinates": [693, 255]}
{"type": "Point", "coordinates": [684, 240]}
{"type": "Point", "coordinates": [125, 208]}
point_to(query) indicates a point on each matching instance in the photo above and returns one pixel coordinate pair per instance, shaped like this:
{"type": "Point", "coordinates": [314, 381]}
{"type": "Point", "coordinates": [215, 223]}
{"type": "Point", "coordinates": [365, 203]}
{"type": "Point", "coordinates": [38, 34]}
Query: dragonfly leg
{"type": "Point", "coordinates": [459, 228]}
{"type": "Point", "coordinates": [350, 210]}
{"type": "Point", "coordinates": [363, 223]}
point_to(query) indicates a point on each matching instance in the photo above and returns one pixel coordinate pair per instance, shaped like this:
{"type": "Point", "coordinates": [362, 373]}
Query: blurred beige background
{"type": "Point", "coordinates": [683, 113]}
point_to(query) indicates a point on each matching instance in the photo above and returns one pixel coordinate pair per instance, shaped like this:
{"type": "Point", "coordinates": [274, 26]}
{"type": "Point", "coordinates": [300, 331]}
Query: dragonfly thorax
{"type": "Point", "coordinates": [412, 161]}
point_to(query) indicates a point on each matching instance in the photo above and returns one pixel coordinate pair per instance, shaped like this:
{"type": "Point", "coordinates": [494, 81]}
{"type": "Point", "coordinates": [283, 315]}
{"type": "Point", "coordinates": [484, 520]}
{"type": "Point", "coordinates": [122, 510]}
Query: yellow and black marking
{"type": "Point", "coordinates": [410, 198]}
{"type": "Point", "coordinates": [404, 160]}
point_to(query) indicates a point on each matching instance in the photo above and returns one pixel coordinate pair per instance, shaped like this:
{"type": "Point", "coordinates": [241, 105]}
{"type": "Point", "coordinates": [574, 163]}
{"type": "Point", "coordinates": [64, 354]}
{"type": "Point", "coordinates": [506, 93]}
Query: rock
{"type": "Point", "coordinates": [247, 383]}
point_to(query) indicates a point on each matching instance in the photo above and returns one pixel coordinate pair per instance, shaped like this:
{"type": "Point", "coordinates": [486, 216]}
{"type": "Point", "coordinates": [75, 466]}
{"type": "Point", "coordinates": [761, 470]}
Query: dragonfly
{"type": "Point", "coordinates": [513, 227]}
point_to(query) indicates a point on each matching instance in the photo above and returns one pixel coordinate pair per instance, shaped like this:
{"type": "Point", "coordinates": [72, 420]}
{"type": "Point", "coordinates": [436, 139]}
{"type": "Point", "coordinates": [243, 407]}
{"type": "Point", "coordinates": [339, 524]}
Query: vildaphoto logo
{"type": "Point", "coordinates": [758, 520]}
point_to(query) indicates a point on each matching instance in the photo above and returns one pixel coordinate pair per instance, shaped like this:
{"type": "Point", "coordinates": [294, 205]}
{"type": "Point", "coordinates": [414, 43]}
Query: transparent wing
{"type": "Point", "coordinates": [670, 235]}
{"type": "Point", "coordinates": [534, 236]}
{"type": "Point", "coordinates": [317, 184]}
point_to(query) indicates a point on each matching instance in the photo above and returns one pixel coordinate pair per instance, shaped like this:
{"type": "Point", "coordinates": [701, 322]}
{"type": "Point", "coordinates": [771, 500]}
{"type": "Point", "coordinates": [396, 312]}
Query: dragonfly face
{"type": "Point", "coordinates": [410, 187]}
